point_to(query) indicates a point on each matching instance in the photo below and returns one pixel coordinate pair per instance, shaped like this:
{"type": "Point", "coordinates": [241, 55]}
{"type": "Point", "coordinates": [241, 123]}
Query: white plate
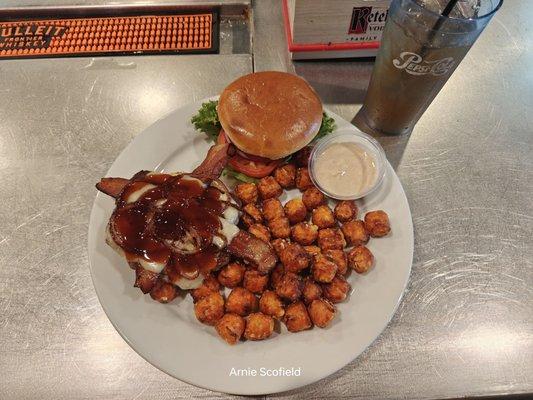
{"type": "Point", "coordinates": [169, 336]}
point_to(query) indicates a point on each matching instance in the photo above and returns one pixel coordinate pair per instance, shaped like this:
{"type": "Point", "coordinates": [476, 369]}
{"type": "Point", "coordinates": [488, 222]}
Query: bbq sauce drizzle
{"type": "Point", "coordinates": [178, 209]}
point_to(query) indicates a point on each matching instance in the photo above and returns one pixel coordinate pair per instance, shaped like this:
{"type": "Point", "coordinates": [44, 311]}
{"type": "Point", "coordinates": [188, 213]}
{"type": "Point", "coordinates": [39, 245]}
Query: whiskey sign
{"type": "Point", "coordinates": [29, 36]}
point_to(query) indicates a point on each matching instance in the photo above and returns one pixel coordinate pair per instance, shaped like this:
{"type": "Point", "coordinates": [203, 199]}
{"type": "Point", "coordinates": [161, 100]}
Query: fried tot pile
{"type": "Point", "coordinates": [317, 245]}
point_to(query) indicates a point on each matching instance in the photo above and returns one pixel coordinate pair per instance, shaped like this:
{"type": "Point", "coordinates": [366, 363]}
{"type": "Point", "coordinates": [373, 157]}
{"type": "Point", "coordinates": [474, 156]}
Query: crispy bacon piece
{"type": "Point", "coordinates": [112, 186]}
{"type": "Point", "coordinates": [213, 164]}
{"type": "Point", "coordinates": [144, 279]}
{"type": "Point", "coordinates": [209, 170]}
{"type": "Point", "coordinates": [254, 251]}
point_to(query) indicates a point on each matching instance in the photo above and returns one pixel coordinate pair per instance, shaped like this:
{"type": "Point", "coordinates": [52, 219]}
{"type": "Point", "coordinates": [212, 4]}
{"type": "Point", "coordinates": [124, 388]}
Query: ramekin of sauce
{"type": "Point", "coordinates": [347, 165]}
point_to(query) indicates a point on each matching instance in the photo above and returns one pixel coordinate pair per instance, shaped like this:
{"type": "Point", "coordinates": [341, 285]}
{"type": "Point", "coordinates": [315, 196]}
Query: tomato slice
{"type": "Point", "coordinates": [253, 166]}
{"type": "Point", "coordinates": [251, 157]}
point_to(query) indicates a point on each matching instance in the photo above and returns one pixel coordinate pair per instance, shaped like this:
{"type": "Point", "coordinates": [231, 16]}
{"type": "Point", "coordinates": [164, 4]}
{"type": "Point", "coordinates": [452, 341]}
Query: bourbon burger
{"type": "Point", "coordinates": [267, 116]}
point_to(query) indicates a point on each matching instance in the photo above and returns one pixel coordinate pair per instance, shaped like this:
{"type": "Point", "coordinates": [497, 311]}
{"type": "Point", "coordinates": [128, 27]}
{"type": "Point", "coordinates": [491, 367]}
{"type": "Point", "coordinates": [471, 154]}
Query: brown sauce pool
{"type": "Point", "coordinates": [177, 209]}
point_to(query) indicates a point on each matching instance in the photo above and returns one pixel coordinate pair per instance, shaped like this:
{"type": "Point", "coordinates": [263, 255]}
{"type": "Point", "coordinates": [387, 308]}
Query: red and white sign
{"type": "Point", "coordinates": [334, 29]}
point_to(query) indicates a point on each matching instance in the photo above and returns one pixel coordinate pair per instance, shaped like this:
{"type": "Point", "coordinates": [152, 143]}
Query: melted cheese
{"type": "Point", "coordinates": [188, 284]}
{"type": "Point", "coordinates": [151, 265]}
{"type": "Point", "coordinates": [190, 178]}
{"type": "Point", "coordinates": [133, 197]}
{"type": "Point", "coordinates": [231, 214]}
{"type": "Point", "coordinates": [229, 230]}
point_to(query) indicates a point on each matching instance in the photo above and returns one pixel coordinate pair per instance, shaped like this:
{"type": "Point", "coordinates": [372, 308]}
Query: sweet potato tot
{"type": "Point", "coordinates": [337, 290]}
{"type": "Point", "coordinates": [280, 228]}
{"type": "Point", "coordinates": [323, 269]}
{"type": "Point", "coordinates": [209, 309]}
{"type": "Point", "coordinates": [377, 223]}
{"type": "Point", "coordinates": [230, 327]}
{"type": "Point", "coordinates": [312, 198]}
{"type": "Point", "coordinates": [297, 318]}
{"type": "Point", "coordinates": [241, 302]}
{"type": "Point", "coordinates": [295, 211]}
{"type": "Point", "coordinates": [231, 275]}
{"type": "Point", "coordinates": [345, 210]}
{"type": "Point", "coordinates": [303, 180]}
{"type": "Point", "coordinates": [321, 312]}
{"type": "Point", "coordinates": [339, 258]}
{"type": "Point", "coordinates": [289, 286]}
{"type": "Point", "coordinates": [331, 239]}
{"type": "Point", "coordinates": [209, 285]}
{"type": "Point", "coordinates": [285, 175]}
{"type": "Point", "coordinates": [311, 290]}
{"type": "Point", "coordinates": [255, 282]}
{"type": "Point", "coordinates": [246, 192]}
{"type": "Point", "coordinates": [323, 217]}
{"type": "Point", "coordinates": [269, 188]}
{"type": "Point", "coordinates": [294, 258]}
{"type": "Point", "coordinates": [355, 233]}
{"type": "Point", "coordinates": [360, 259]}
{"type": "Point", "coordinates": [258, 326]}
{"type": "Point", "coordinates": [272, 209]}
{"type": "Point", "coordinates": [271, 304]}
{"type": "Point", "coordinates": [304, 233]}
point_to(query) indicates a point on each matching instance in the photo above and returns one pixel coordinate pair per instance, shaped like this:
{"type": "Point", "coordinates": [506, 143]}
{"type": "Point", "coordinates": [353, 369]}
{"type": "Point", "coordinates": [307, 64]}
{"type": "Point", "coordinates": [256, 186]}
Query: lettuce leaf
{"type": "Point", "coordinates": [230, 172]}
{"type": "Point", "coordinates": [328, 125]}
{"type": "Point", "coordinates": [206, 120]}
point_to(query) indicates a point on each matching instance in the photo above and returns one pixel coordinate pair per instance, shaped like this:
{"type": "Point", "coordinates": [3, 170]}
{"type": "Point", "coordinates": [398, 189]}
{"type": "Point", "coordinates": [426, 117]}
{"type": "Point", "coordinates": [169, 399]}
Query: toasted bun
{"type": "Point", "coordinates": [270, 114]}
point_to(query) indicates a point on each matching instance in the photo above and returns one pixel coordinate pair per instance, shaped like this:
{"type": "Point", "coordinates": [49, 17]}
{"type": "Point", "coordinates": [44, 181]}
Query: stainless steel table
{"type": "Point", "coordinates": [465, 324]}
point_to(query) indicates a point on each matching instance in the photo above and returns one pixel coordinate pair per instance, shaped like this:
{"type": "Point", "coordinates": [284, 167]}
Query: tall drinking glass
{"type": "Point", "coordinates": [420, 49]}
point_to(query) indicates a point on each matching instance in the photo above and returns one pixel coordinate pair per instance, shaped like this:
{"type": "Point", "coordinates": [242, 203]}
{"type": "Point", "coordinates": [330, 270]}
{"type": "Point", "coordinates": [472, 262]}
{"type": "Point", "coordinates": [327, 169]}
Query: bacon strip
{"type": "Point", "coordinates": [253, 250]}
{"type": "Point", "coordinates": [209, 170]}
{"type": "Point", "coordinates": [112, 186]}
{"type": "Point", "coordinates": [215, 161]}
{"type": "Point", "coordinates": [144, 279]}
